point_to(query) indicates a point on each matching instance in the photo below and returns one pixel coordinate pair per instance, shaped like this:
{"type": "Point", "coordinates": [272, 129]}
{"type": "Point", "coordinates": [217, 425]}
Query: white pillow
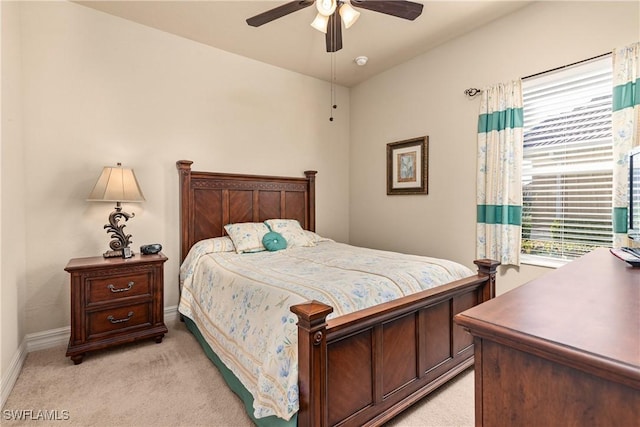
{"type": "Point", "coordinates": [203, 247]}
{"type": "Point", "coordinates": [315, 237]}
{"type": "Point", "coordinates": [247, 236]}
{"type": "Point", "coordinates": [222, 244]}
{"type": "Point", "coordinates": [292, 232]}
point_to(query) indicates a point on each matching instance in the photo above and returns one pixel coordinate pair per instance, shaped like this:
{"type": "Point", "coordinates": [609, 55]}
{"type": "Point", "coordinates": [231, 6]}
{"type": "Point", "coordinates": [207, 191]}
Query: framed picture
{"type": "Point", "coordinates": [407, 166]}
{"type": "Point", "coordinates": [127, 253]}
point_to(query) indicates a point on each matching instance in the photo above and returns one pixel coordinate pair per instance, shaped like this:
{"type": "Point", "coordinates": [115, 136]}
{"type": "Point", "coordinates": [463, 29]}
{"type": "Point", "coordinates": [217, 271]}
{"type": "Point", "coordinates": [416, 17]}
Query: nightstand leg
{"type": "Point", "coordinates": [159, 339]}
{"type": "Point", "coordinates": [77, 359]}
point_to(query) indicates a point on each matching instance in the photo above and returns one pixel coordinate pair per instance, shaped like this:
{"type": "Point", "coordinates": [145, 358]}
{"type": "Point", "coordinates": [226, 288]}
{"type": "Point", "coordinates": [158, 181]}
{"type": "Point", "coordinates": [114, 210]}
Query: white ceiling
{"type": "Point", "coordinates": [291, 43]}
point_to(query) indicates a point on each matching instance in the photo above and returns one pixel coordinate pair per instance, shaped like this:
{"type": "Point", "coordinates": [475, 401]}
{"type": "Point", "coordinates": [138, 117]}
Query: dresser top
{"type": "Point", "coordinates": [587, 311]}
{"type": "Point", "coordinates": [99, 261]}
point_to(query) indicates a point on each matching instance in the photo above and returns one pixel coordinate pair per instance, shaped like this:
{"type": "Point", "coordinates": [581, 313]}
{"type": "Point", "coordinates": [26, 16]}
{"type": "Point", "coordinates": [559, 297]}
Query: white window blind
{"type": "Point", "coordinates": [568, 161]}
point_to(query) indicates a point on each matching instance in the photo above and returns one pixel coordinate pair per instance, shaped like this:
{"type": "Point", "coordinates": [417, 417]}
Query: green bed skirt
{"type": "Point", "coordinates": [234, 383]}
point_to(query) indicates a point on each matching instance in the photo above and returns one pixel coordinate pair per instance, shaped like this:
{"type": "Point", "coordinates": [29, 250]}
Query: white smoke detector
{"type": "Point", "coordinates": [361, 60]}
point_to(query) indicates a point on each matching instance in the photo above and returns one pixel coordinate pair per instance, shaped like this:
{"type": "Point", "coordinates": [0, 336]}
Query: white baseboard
{"type": "Point", "coordinates": [170, 314]}
{"type": "Point", "coordinates": [15, 366]}
{"type": "Point", "coordinates": [48, 339]}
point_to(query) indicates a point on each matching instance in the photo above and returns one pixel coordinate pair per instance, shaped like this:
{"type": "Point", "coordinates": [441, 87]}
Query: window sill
{"type": "Point", "coordinates": [541, 261]}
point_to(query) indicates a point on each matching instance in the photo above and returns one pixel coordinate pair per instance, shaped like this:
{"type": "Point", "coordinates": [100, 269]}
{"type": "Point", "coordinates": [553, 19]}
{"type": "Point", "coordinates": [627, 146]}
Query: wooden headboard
{"type": "Point", "coordinates": [209, 201]}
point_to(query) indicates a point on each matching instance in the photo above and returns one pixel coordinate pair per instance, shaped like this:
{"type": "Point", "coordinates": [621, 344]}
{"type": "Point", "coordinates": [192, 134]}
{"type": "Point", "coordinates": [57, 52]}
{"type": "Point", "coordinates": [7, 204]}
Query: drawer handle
{"type": "Point", "coordinates": [126, 319]}
{"type": "Point", "coordinates": [113, 289]}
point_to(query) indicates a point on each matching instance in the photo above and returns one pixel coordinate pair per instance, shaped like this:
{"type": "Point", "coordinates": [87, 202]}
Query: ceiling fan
{"type": "Point", "coordinates": [328, 21]}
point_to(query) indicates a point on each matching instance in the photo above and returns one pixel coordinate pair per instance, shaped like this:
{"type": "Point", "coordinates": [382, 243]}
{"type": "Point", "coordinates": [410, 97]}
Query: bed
{"type": "Point", "coordinates": [355, 367]}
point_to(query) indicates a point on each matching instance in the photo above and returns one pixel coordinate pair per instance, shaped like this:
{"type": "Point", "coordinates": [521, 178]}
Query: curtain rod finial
{"type": "Point", "coordinates": [472, 91]}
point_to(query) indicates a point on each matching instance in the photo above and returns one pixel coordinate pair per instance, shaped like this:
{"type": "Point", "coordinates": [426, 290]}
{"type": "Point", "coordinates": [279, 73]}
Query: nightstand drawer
{"type": "Point", "coordinates": [115, 287]}
{"type": "Point", "coordinates": [118, 319]}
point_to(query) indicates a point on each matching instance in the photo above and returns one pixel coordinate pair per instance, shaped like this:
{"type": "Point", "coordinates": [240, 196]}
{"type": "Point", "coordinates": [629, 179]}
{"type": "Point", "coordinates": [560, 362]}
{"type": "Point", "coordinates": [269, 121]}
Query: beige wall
{"type": "Point", "coordinates": [425, 97]}
{"type": "Point", "coordinates": [97, 90]}
{"type": "Point", "coordinates": [12, 207]}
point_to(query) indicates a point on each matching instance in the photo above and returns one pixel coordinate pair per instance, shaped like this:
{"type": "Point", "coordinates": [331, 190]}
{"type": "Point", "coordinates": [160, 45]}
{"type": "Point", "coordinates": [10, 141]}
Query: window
{"type": "Point", "coordinates": [568, 161]}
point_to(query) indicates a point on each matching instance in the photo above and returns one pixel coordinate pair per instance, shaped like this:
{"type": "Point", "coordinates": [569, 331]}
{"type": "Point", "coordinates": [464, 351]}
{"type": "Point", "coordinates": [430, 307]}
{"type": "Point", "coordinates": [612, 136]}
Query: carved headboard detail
{"type": "Point", "coordinates": [209, 201]}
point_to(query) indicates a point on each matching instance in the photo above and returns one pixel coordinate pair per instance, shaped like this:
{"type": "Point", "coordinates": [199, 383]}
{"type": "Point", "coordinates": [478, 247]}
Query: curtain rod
{"type": "Point", "coordinates": [472, 91]}
{"type": "Point", "coordinates": [567, 66]}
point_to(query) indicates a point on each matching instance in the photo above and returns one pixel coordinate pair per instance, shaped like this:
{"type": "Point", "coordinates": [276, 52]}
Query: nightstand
{"type": "Point", "coordinates": [115, 301]}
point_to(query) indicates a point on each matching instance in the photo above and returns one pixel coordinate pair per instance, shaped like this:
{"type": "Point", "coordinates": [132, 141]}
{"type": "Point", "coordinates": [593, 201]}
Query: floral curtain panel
{"type": "Point", "coordinates": [626, 132]}
{"type": "Point", "coordinates": [499, 182]}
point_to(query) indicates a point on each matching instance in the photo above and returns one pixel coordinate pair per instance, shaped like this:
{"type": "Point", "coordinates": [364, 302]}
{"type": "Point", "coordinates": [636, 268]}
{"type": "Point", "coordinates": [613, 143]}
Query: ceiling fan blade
{"type": "Point", "coordinates": [278, 12]}
{"type": "Point", "coordinates": [399, 8]}
{"type": "Point", "coordinates": [334, 33]}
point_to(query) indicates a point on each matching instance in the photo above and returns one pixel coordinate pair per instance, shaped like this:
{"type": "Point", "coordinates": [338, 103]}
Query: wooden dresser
{"type": "Point", "coordinates": [115, 301]}
{"type": "Point", "coordinates": [561, 350]}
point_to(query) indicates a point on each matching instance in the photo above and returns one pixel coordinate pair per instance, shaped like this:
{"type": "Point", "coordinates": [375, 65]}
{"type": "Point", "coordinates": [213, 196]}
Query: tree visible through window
{"type": "Point", "coordinates": [567, 161]}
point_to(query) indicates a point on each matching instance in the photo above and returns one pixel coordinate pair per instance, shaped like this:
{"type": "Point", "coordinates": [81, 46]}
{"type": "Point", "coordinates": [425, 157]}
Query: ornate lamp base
{"type": "Point", "coordinates": [120, 241]}
{"type": "Point", "coordinates": [113, 254]}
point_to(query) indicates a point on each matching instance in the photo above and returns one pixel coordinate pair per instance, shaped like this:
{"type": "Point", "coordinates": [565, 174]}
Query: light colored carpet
{"type": "Point", "coordinates": [170, 384]}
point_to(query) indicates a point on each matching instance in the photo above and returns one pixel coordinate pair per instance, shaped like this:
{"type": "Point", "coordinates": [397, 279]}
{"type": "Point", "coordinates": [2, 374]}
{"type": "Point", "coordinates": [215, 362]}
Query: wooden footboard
{"type": "Point", "coordinates": [366, 367]}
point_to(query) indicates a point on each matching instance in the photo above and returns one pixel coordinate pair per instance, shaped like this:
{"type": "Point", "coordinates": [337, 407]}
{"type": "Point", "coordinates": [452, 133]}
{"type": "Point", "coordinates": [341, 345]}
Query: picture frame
{"type": "Point", "coordinates": [408, 166]}
{"type": "Point", "coordinates": [127, 253]}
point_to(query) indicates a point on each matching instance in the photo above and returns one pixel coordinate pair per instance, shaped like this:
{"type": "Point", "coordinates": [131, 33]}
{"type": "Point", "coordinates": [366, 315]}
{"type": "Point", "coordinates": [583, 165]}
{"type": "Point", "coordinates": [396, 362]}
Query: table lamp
{"type": "Point", "coordinates": [117, 184]}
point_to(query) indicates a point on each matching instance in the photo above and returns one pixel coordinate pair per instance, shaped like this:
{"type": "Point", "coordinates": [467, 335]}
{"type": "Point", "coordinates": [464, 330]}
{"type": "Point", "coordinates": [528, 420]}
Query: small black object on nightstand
{"type": "Point", "coordinates": [151, 249]}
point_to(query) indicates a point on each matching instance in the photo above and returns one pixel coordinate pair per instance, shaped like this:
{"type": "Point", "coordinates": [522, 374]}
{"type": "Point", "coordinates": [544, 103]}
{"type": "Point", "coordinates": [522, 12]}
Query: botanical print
{"type": "Point", "coordinates": [407, 167]}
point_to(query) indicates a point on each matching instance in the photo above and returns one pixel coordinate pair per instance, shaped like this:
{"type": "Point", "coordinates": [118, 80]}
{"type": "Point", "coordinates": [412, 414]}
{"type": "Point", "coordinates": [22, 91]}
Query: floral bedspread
{"type": "Point", "coordinates": [240, 303]}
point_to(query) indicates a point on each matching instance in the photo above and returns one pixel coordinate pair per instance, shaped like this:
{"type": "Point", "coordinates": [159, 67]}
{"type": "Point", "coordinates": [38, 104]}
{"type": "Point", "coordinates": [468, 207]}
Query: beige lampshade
{"type": "Point", "coordinates": [116, 184]}
{"type": "Point", "coordinates": [349, 15]}
{"type": "Point", "coordinates": [326, 7]}
{"type": "Point", "coordinates": [320, 23]}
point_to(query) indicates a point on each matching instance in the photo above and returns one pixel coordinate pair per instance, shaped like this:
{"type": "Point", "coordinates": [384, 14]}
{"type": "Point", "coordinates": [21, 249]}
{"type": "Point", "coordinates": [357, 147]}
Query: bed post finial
{"type": "Point", "coordinates": [488, 267]}
{"type": "Point", "coordinates": [312, 363]}
{"type": "Point", "coordinates": [311, 217]}
{"type": "Point", "coordinates": [184, 164]}
{"type": "Point", "coordinates": [184, 170]}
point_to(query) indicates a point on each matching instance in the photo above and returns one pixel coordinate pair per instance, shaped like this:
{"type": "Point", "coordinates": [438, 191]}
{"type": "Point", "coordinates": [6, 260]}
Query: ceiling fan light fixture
{"type": "Point", "coordinates": [321, 23]}
{"type": "Point", "coordinates": [331, 24]}
{"type": "Point", "coordinates": [348, 14]}
{"type": "Point", "coordinates": [326, 7]}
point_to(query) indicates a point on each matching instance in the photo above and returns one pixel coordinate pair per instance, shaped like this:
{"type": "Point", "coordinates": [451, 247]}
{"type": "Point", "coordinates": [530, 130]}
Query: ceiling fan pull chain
{"type": "Point", "coordinates": [333, 76]}
{"type": "Point", "coordinates": [333, 95]}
